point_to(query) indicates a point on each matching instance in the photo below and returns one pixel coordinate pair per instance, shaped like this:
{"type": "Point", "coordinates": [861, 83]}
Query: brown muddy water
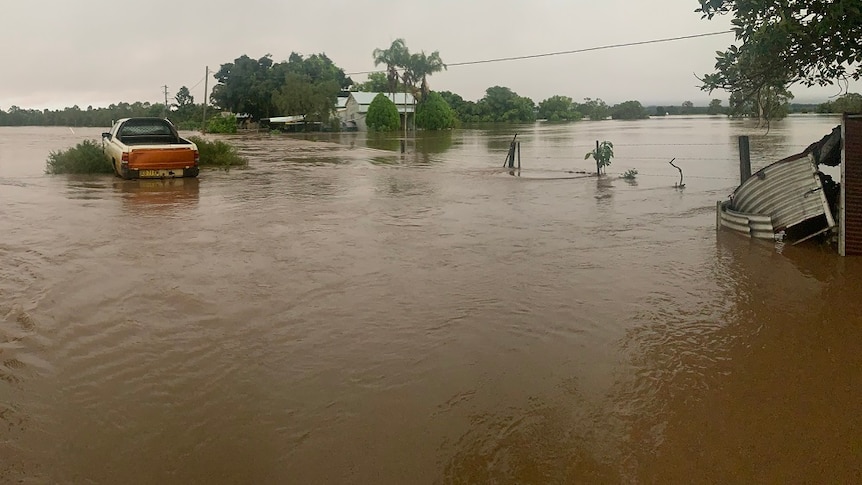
{"type": "Point", "coordinates": [340, 313]}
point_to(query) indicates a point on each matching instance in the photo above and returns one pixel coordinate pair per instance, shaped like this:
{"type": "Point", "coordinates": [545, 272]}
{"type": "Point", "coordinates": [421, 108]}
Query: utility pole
{"type": "Point", "coordinates": [206, 78]}
{"type": "Point", "coordinates": [166, 100]}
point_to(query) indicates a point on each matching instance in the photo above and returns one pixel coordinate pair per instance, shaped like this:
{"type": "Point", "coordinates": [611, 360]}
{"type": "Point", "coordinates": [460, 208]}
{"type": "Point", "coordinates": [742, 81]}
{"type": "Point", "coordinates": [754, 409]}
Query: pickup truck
{"type": "Point", "coordinates": [149, 148]}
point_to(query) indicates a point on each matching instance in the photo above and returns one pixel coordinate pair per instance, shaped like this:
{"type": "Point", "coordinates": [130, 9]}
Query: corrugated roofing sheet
{"type": "Point", "coordinates": [752, 225]}
{"type": "Point", "coordinates": [789, 192]}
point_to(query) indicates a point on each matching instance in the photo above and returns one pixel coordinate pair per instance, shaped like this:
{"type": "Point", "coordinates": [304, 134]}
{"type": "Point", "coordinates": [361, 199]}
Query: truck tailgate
{"type": "Point", "coordinates": [161, 158]}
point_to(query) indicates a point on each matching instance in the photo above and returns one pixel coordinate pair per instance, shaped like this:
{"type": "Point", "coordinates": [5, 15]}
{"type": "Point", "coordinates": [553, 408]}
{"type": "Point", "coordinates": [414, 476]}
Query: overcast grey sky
{"type": "Point", "coordinates": [59, 53]}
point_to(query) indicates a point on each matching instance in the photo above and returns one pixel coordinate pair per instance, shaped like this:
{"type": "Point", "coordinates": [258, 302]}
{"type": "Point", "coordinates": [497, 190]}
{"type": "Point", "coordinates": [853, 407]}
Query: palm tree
{"type": "Point", "coordinates": [394, 57]}
{"type": "Point", "coordinates": [422, 66]}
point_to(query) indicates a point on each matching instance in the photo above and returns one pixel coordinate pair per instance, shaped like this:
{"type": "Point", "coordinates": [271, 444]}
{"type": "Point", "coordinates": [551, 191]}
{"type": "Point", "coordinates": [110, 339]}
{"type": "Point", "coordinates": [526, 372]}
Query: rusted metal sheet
{"type": "Point", "coordinates": [790, 192]}
{"type": "Point", "coordinates": [850, 238]}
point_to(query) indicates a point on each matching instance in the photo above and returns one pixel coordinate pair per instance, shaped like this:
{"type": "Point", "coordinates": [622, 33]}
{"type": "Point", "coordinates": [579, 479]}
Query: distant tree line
{"type": "Point", "coordinates": [183, 112]}
{"type": "Point", "coordinates": [500, 104]}
{"type": "Point", "coordinates": [76, 116]}
{"type": "Point", "coordinates": [849, 103]}
{"type": "Point", "coordinates": [310, 85]}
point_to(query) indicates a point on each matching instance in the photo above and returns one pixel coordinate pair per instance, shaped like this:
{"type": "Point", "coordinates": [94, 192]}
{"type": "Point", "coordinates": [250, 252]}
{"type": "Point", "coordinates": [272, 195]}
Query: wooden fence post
{"type": "Point", "coordinates": [744, 160]}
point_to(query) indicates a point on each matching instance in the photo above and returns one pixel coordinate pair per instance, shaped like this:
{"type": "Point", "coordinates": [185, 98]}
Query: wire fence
{"type": "Point", "coordinates": [624, 159]}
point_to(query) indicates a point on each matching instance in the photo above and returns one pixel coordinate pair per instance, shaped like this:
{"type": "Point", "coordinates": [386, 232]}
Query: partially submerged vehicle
{"type": "Point", "coordinates": [149, 148]}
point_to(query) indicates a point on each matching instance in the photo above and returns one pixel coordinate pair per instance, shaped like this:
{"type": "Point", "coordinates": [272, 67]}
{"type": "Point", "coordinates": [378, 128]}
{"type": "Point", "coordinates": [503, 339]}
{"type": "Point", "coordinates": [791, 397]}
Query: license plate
{"type": "Point", "coordinates": [160, 173]}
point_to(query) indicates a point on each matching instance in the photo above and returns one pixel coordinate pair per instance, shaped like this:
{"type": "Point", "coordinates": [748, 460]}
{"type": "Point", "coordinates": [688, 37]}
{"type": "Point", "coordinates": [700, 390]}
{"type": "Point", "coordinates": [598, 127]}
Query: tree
{"type": "Point", "coordinates": [806, 41]}
{"type": "Point", "coordinates": [595, 109]}
{"type": "Point", "coordinates": [714, 107]}
{"type": "Point", "coordinates": [376, 83]}
{"type": "Point", "coordinates": [558, 108]}
{"type": "Point", "coordinates": [420, 66]}
{"type": "Point", "coordinates": [382, 114]}
{"type": "Point", "coordinates": [629, 110]}
{"type": "Point", "coordinates": [300, 96]}
{"type": "Point", "coordinates": [503, 104]}
{"type": "Point", "coordinates": [602, 154]}
{"type": "Point", "coordinates": [393, 57]}
{"type": "Point", "coordinates": [849, 103]}
{"type": "Point", "coordinates": [467, 111]}
{"type": "Point", "coordinates": [185, 107]}
{"type": "Point", "coordinates": [318, 67]}
{"type": "Point", "coordinates": [434, 113]}
{"type": "Point", "coordinates": [243, 88]}
{"type": "Point", "coordinates": [769, 103]}
{"type": "Point", "coordinates": [249, 86]}
{"type": "Point", "coordinates": [687, 108]}
{"type": "Point", "coordinates": [184, 97]}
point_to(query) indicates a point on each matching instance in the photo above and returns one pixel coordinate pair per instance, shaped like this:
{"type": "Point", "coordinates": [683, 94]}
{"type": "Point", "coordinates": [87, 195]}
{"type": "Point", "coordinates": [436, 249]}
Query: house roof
{"type": "Point", "coordinates": [400, 99]}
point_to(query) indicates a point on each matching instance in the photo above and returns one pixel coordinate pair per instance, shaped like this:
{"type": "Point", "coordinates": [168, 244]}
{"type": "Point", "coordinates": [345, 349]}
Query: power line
{"type": "Point", "coordinates": [574, 51]}
{"type": "Point", "coordinates": [197, 84]}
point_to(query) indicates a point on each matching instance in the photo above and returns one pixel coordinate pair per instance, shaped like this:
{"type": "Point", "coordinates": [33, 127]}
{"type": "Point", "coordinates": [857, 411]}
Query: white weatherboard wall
{"type": "Point", "coordinates": [356, 108]}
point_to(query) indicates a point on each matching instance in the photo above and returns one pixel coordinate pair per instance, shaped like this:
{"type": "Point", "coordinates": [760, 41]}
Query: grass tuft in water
{"type": "Point", "coordinates": [218, 154]}
{"type": "Point", "coordinates": [85, 157]}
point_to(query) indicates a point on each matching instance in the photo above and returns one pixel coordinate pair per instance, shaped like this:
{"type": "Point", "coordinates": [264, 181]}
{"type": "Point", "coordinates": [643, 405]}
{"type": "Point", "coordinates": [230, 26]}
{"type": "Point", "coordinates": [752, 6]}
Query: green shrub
{"type": "Point", "coordinates": [222, 124]}
{"type": "Point", "coordinates": [434, 113]}
{"type": "Point", "coordinates": [602, 154]}
{"type": "Point", "coordinates": [630, 174]}
{"type": "Point", "coordinates": [85, 157]}
{"type": "Point", "coordinates": [382, 115]}
{"type": "Point", "coordinates": [217, 154]}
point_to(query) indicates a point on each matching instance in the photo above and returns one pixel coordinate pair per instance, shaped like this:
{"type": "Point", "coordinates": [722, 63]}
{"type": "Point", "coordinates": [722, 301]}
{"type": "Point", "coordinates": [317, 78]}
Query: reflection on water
{"type": "Point", "coordinates": [434, 142]}
{"type": "Point", "coordinates": [384, 141]}
{"type": "Point", "coordinates": [158, 194]}
{"type": "Point", "coordinates": [429, 319]}
{"type": "Point", "coordinates": [500, 141]}
{"type": "Point", "coordinates": [763, 377]}
{"type": "Point", "coordinates": [423, 142]}
{"type": "Point", "coordinates": [87, 187]}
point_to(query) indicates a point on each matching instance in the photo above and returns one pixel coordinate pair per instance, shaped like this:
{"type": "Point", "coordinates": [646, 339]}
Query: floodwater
{"type": "Point", "coordinates": [342, 313]}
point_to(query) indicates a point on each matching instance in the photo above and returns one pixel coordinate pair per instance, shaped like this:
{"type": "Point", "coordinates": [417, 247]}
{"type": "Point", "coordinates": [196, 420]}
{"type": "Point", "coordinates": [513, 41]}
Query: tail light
{"type": "Point", "coordinates": [197, 157]}
{"type": "Point", "coordinates": [125, 158]}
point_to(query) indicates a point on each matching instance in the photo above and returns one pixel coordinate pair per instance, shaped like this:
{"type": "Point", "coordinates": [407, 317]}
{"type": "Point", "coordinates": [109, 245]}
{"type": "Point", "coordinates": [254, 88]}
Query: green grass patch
{"type": "Point", "coordinates": [217, 154]}
{"type": "Point", "coordinates": [85, 157]}
{"type": "Point", "coordinates": [630, 174]}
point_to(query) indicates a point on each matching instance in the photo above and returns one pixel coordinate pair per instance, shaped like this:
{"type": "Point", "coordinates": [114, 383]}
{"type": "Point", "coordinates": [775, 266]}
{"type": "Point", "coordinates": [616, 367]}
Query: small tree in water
{"type": "Point", "coordinates": [602, 154]}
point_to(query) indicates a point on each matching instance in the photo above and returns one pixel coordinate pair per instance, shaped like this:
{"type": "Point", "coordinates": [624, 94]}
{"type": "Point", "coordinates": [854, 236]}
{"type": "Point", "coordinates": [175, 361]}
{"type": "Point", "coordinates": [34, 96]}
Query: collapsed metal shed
{"type": "Point", "coordinates": [785, 199]}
